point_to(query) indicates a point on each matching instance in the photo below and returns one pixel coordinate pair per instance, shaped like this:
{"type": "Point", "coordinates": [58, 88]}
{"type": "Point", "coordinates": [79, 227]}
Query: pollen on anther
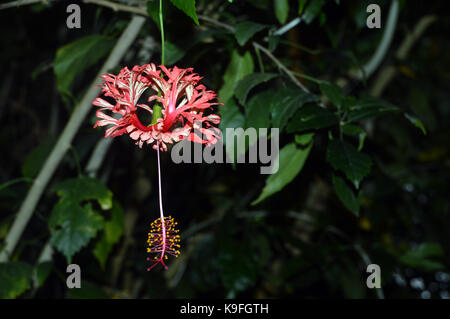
{"type": "Point", "coordinates": [163, 241]}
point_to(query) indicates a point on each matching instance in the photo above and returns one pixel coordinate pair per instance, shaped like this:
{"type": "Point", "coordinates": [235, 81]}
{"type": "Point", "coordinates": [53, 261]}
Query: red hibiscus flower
{"type": "Point", "coordinates": [178, 91]}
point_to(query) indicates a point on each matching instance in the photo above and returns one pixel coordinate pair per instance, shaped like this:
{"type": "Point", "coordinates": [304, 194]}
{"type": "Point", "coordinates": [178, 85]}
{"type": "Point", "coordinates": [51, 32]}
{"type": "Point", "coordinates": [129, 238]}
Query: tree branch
{"type": "Point", "coordinates": [216, 23]}
{"type": "Point", "coordinates": [281, 66]}
{"type": "Point", "coordinates": [119, 7]}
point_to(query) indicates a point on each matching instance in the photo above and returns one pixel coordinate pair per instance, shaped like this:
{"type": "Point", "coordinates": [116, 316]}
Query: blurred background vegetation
{"type": "Point", "coordinates": [364, 164]}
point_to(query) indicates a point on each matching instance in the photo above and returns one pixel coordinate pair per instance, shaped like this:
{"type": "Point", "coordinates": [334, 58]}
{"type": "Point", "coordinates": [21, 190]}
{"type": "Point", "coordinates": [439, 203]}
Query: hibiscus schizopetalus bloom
{"type": "Point", "coordinates": [183, 99]}
{"type": "Point", "coordinates": [163, 240]}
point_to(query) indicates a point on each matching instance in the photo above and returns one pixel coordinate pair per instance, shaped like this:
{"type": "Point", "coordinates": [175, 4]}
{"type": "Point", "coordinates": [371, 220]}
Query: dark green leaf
{"type": "Point", "coordinates": [312, 117]}
{"type": "Point", "coordinates": [304, 139]}
{"type": "Point", "coordinates": [301, 6]}
{"type": "Point", "coordinates": [344, 157]}
{"type": "Point", "coordinates": [286, 102]}
{"type": "Point", "coordinates": [369, 107]}
{"type": "Point", "coordinates": [249, 82]}
{"type": "Point", "coordinates": [36, 158]}
{"type": "Point", "coordinates": [312, 10]}
{"type": "Point", "coordinates": [241, 262]}
{"type": "Point", "coordinates": [258, 110]}
{"type": "Point", "coordinates": [419, 102]}
{"type": "Point", "coordinates": [78, 56]}
{"type": "Point", "coordinates": [346, 195]}
{"type": "Point", "coordinates": [291, 161]}
{"type": "Point", "coordinates": [281, 10]}
{"type": "Point", "coordinates": [78, 226]}
{"type": "Point", "coordinates": [232, 118]}
{"type": "Point", "coordinates": [239, 67]}
{"type": "Point", "coordinates": [85, 188]}
{"type": "Point", "coordinates": [88, 290]}
{"type": "Point", "coordinates": [416, 122]}
{"type": "Point", "coordinates": [421, 256]}
{"type": "Point", "coordinates": [188, 7]}
{"type": "Point", "coordinates": [113, 230]}
{"type": "Point", "coordinates": [355, 130]}
{"type": "Point", "coordinates": [172, 53]}
{"type": "Point", "coordinates": [15, 279]}
{"type": "Point", "coordinates": [260, 4]}
{"type": "Point", "coordinates": [42, 271]}
{"type": "Point", "coordinates": [4, 227]}
{"type": "Point", "coordinates": [245, 30]}
{"type": "Point", "coordinates": [333, 93]}
{"type": "Point", "coordinates": [274, 40]}
{"type": "Point", "coordinates": [153, 11]}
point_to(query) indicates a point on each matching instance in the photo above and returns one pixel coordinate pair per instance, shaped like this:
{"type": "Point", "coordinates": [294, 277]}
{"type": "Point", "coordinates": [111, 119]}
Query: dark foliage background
{"type": "Point", "coordinates": [312, 239]}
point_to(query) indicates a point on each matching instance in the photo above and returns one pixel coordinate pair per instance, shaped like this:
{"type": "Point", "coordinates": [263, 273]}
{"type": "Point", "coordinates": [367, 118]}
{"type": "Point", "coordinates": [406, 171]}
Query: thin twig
{"type": "Point", "coordinates": [281, 66]}
{"type": "Point", "coordinates": [119, 7]}
{"type": "Point", "coordinates": [216, 23]}
{"type": "Point", "coordinates": [63, 144]}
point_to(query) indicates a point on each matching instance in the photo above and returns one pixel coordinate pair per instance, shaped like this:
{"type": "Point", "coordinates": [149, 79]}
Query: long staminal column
{"type": "Point", "coordinates": [163, 238]}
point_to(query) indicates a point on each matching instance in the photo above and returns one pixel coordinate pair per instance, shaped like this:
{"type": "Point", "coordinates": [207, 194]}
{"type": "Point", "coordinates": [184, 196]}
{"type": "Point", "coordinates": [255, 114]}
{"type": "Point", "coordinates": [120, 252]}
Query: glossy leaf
{"type": "Point", "coordinates": [304, 139]}
{"type": "Point", "coordinates": [173, 53]}
{"type": "Point", "coordinates": [344, 157]}
{"type": "Point", "coordinates": [258, 110]}
{"type": "Point", "coordinates": [249, 82]}
{"type": "Point", "coordinates": [85, 188]}
{"type": "Point", "coordinates": [312, 10]}
{"type": "Point", "coordinates": [88, 290]}
{"type": "Point", "coordinates": [346, 195]}
{"type": "Point", "coordinates": [286, 102]}
{"type": "Point", "coordinates": [312, 117]}
{"type": "Point", "coordinates": [78, 225]}
{"type": "Point", "coordinates": [369, 107]}
{"type": "Point", "coordinates": [239, 67]}
{"type": "Point", "coordinates": [113, 230]}
{"type": "Point", "coordinates": [333, 93]}
{"type": "Point", "coordinates": [423, 256]}
{"type": "Point", "coordinates": [245, 30]}
{"type": "Point", "coordinates": [15, 279]}
{"type": "Point", "coordinates": [291, 161]}
{"type": "Point", "coordinates": [301, 5]}
{"type": "Point", "coordinates": [281, 10]}
{"type": "Point", "coordinates": [232, 118]}
{"type": "Point", "coordinates": [153, 11]}
{"type": "Point", "coordinates": [240, 263]}
{"type": "Point", "coordinates": [78, 56]}
{"type": "Point", "coordinates": [41, 272]}
{"type": "Point", "coordinates": [36, 158]}
{"type": "Point", "coordinates": [188, 7]}
{"type": "Point", "coordinates": [355, 130]}
{"type": "Point", "coordinates": [416, 122]}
